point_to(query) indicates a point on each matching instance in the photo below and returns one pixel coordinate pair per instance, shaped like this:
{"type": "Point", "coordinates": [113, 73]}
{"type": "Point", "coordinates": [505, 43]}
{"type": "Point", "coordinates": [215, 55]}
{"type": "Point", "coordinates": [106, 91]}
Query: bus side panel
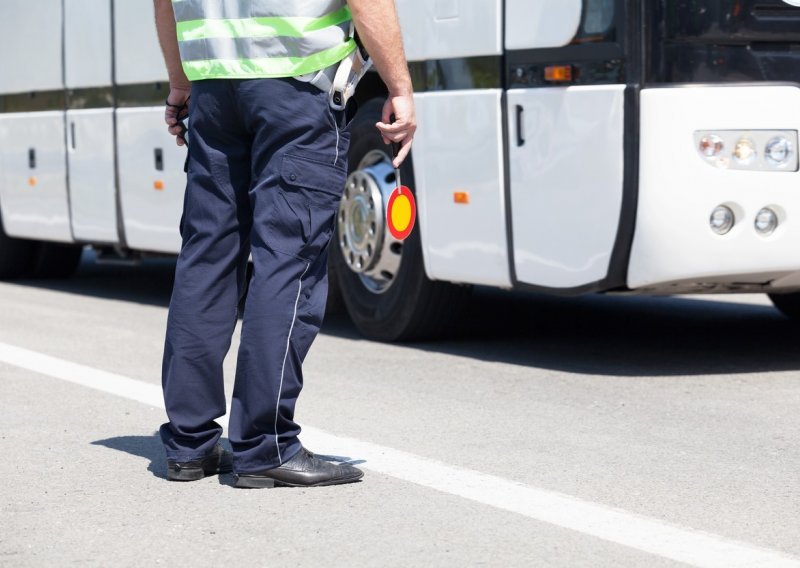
{"type": "Point", "coordinates": [33, 187]}
{"type": "Point", "coordinates": [450, 28]}
{"type": "Point", "coordinates": [87, 43]}
{"type": "Point", "coordinates": [566, 162]}
{"type": "Point", "coordinates": [459, 148]}
{"type": "Point", "coordinates": [33, 191]}
{"type": "Point", "coordinates": [90, 131]}
{"type": "Point", "coordinates": [533, 24]}
{"type": "Point", "coordinates": [151, 180]}
{"type": "Point", "coordinates": [93, 200]}
{"type": "Point", "coordinates": [678, 189]}
{"type": "Point", "coordinates": [30, 46]}
{"type": "Point", "coordinates": [138, 55]}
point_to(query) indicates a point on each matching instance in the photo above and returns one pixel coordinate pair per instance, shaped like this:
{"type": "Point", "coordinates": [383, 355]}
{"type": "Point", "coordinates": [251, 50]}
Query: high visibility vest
{"type": "Point", "coordinates": [247, 39]}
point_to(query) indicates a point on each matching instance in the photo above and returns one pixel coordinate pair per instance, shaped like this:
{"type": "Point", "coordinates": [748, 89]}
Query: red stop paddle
{"type": "Point", "coordinates": [401, 211]}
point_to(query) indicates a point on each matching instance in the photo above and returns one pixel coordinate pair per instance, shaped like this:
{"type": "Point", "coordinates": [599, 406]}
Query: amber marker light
{"type": "Point", "coordinates": [32, 181]}
{"type": "Point", "coordinates": [461, 197]}
{"type": "Point", "coordinates": [158, 185]}
{"type": "Point", "coordinates": [558, 73]}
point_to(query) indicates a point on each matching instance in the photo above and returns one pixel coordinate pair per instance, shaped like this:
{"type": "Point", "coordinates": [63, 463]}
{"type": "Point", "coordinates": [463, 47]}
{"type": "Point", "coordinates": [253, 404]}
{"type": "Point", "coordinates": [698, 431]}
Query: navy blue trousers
{"type": "Point", "coordinates": [267, 167]}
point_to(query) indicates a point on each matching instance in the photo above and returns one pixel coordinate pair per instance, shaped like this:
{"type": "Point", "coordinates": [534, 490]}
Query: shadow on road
{"type": "Point", "coordinates": [147, 283]}
{"type": "Point", "coordinates": [625, 336]}
{"type": "Point", "coordinates": [595, 334]}
{"type": "Point", "coordinates": [148, 447]}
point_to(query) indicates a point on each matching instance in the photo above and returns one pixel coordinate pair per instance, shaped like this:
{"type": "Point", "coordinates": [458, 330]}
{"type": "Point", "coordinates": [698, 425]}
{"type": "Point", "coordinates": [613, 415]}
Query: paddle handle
{"type": "Point", "coordinates": [395, 152]}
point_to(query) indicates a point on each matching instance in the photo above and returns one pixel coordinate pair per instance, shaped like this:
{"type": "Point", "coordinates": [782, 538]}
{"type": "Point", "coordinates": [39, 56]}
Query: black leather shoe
{"type": "Point", "coordinates": [303, 470]}
{"type": "Point", "coordinates": [218, 461]}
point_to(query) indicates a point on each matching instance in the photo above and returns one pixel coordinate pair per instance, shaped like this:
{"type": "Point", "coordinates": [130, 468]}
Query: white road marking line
{"type": "Point", "coordinates": [646, 534]}
{"type": "Point", "coordinates": [82, 375]}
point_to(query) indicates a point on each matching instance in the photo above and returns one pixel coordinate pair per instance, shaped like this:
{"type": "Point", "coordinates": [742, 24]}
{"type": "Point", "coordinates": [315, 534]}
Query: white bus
{"type": "Point", "coordinates": [565, 146]}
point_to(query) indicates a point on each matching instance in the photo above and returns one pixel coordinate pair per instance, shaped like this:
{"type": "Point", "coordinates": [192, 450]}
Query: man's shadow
{"type": "Point", "coordinates": [150, 448]}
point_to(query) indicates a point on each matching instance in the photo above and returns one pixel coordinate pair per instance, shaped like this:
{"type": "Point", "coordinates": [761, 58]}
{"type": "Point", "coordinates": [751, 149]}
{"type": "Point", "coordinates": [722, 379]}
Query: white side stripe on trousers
{"type": "Point", "coordinates": [285, 356]}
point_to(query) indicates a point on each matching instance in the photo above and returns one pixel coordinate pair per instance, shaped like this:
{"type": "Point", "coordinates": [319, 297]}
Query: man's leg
{"type": "Point", "coordinates": [299, 172]}
{"type": "Point", "coordinates": [210, 274]}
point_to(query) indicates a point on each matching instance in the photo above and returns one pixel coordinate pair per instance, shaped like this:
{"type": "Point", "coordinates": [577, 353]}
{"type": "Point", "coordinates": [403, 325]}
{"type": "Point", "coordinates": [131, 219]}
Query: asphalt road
{"type": "Point", "coordinates": [600, 431]}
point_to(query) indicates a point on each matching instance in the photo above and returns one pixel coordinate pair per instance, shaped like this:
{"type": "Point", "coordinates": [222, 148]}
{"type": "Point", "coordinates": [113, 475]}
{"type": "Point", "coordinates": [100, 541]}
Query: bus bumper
{"type": "Point", "coordinates": [675, 248]}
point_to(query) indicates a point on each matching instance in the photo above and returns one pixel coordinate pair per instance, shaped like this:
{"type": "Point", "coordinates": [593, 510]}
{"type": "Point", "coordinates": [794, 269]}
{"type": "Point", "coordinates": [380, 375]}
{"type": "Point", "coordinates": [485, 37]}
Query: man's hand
{"type": "Point", "coordinates": [179, 86]}
{"type": "Point", "coordinates": [177, 109]}
{"type": "Point", "coordinates": [379, 29]}
{"type": "Point", "coordinates": [402, 130]}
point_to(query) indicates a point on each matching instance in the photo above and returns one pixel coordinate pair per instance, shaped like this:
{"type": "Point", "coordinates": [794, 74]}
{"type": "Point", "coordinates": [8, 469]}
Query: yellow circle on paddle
{"type": "Point", "coordinates": [401, 213]}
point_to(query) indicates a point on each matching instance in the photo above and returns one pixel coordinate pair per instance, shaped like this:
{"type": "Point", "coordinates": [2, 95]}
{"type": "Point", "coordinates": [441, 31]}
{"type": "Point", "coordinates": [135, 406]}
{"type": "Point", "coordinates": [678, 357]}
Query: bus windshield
{"type": "Point", "coordinates": [723, 41]}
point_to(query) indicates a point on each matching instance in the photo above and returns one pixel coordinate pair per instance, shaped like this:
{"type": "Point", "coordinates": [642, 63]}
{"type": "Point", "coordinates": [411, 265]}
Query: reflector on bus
{"type": "Point", "coordinates": [558, 73]}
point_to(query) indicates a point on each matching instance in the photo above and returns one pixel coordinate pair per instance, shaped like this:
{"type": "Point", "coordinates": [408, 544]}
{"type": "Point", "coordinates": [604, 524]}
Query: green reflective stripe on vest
{"type": "Point", "coordinates": [262, 47]}
{"type": "Point", "coordinates": [266, 67]}
{"type": "Point", "coordinates": [186, 10]}
{"type": "Point", "coordinates": [259, 27]}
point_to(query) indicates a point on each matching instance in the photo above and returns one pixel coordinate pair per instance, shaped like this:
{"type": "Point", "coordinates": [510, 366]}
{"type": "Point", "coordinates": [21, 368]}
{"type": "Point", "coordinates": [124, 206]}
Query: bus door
{"type": "Point", "coordinates": [151, 177]}
{"type": "Point", "coordinates": [33, 181]}
{"type": "Point", "coordinates": [565, 111]}
{"type": "Point", "coordinates": [90, 121]}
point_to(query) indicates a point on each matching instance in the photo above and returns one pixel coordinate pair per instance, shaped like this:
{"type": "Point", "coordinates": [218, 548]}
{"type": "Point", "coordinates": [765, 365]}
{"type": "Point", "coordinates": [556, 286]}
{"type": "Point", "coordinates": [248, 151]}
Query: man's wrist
{"type": "Point", "coordinates": [402, 90]}
{"type": "Point", "coordinates": [180, 83]}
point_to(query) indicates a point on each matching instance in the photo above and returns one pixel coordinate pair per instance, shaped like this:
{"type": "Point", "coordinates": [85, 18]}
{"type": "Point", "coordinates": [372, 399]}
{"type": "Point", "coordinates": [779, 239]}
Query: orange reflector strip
{"type": "Point", "coordinates": [558, 73]}
{"type": "Point", "coordinates": [32, 181]}
{"type": "Point", "coordinates": [461, 197]}
{"type": "Point", "coordinates": [158, 185]}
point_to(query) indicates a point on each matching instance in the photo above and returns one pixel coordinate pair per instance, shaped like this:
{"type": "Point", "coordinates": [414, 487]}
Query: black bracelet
{"type": "Point", "coordinates": [179, 107]}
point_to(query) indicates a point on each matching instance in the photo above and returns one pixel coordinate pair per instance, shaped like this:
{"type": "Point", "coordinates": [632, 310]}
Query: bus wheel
{"type": "Point", "coordinates": [382, 280]}
{"type": "Point", "coordinates": [16, 256]}
{"type": "Point", "coordinates": [787, 304]}
{"type": "Point", "coordinates": [55, 260]}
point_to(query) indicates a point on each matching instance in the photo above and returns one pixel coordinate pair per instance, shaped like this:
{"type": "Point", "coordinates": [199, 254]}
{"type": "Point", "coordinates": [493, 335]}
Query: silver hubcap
{"type": "Point", "coordinates": [367, 246]}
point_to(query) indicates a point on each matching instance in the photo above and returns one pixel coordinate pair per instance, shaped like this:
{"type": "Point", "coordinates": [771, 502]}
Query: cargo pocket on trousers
{"type": "Point", "coordinates": [305, 208]}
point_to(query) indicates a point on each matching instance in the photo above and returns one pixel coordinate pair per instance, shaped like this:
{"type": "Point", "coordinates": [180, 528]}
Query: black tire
{"type": "Point", "coordinates": [414, 307]}
{"type": "Point", "coordinates": [16, 256]}
{"type": "Point", "coordinates": [55, 260]}
{"type": "Point", "coordinates": [788, 304]}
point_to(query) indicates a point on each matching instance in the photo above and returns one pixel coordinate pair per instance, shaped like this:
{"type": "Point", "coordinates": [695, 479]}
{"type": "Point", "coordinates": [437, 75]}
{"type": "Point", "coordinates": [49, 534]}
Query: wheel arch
{"type": "Point", "coordinates": [414, 307]}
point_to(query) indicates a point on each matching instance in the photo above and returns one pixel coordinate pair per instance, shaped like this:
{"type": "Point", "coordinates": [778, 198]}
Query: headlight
{"type": "Point", "coordinates": [778, 151]}
{"type": "Point", "coordinates": [711, 146]}
{"type": "Point", "coordinates": [766, 222]}
{"type": "Point", "coordinates": [744, 152]}
{"type": "Point", "coordinates": [722, 220]}
{"type": "Point", "coordinates": [752, 150]}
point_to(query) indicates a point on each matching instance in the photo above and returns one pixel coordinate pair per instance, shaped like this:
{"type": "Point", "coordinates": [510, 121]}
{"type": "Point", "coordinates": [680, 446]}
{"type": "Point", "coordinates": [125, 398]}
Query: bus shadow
{"type": "Point", "coordinates": [149, 282]}
{"type": "Point", "coordinates": [614, 335]}
{"type": "Point", "coordinates": [594, 334]}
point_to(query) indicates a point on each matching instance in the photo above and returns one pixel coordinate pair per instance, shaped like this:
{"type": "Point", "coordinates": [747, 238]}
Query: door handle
{"type": "Point", "coordinates": [72, 134]}
{"type": "Point", "coordinates": [32, 158]}
{"type": "Point", "coordinates": [159, 159]}
{"type": "Point", "coordinates": [520, 126]}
